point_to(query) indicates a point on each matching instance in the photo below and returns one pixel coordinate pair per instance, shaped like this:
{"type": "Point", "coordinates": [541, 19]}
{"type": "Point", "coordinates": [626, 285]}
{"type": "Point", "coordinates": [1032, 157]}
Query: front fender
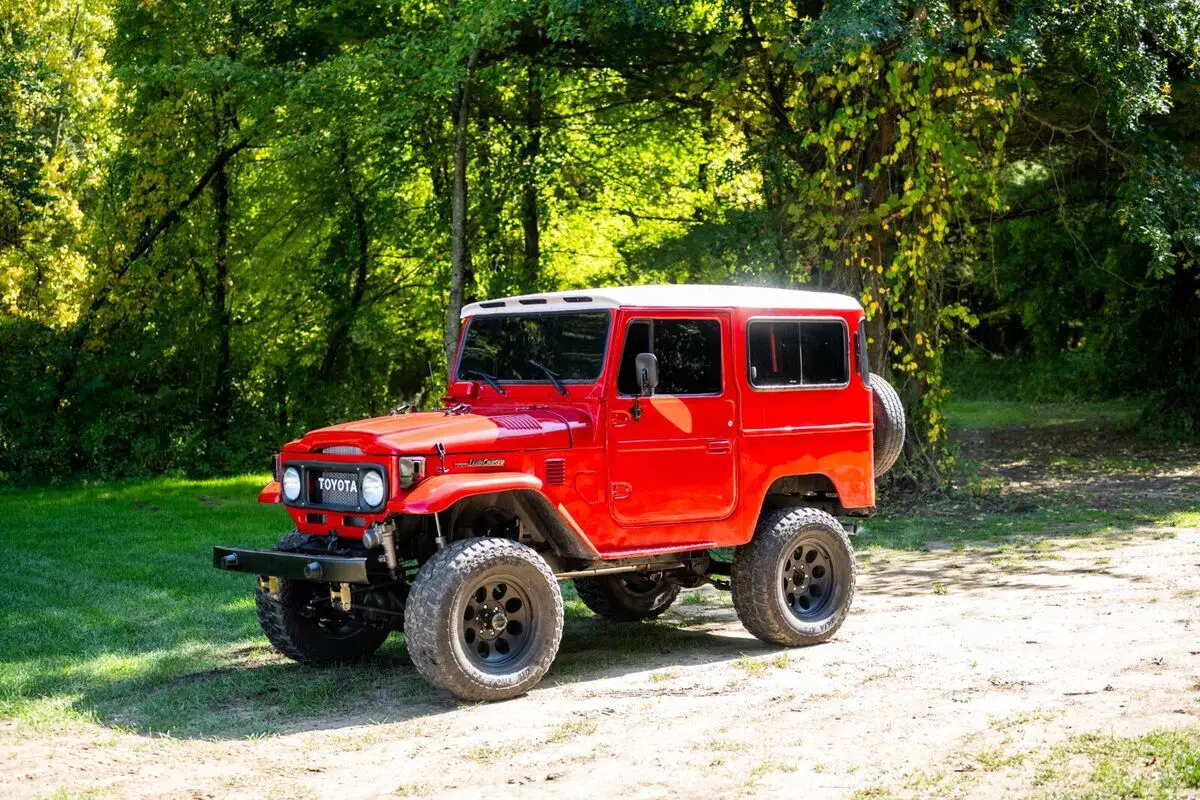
{"type": "Point", "coordinates": [442, 491]}
{"type": "Point", "coordinates": [271, 493]}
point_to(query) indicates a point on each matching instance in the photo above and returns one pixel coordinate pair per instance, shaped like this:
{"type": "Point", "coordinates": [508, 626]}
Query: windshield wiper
{"type": "Point", "coordinates": [552, 375]}
{"type": "Point", "coordinates": [490, 380]}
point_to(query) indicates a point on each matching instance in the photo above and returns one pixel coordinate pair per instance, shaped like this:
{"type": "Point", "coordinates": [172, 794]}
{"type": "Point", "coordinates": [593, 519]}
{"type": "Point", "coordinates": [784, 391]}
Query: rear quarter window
{"type": "Point", "coordinates": [798, 353]}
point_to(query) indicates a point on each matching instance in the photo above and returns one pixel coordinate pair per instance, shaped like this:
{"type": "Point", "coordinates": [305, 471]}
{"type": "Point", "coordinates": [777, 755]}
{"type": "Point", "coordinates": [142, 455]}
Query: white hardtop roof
{"type": "Point", "coordinates": [668, 296]}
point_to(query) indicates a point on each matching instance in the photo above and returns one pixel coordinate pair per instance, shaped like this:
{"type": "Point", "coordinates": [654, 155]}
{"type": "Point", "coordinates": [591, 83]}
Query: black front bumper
{"type": "Point", "coordinates": [294, 566]}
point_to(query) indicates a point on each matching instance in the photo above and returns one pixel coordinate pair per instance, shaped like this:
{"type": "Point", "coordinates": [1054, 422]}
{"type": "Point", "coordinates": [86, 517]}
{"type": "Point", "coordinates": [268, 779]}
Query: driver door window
{"type": "Point", "coordinates": [688, 352]}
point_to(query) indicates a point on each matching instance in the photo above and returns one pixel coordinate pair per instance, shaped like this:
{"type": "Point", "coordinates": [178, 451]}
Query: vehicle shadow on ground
{"type": "Point", "coordinates": [250, 696]}
{"type": "Point", "coordinates": [986, 569]}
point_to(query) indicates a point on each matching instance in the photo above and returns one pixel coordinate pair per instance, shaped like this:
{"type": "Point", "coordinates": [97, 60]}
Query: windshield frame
{"type": "Point", "coordinates": [458, 377]}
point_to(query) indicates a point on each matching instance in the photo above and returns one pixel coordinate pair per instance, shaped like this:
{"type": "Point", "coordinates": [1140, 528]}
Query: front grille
{"type": "Point", "coordinates": [330, 488]}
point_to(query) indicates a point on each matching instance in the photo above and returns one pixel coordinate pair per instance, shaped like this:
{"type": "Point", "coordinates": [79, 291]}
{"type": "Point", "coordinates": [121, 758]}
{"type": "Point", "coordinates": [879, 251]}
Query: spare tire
{"type": "Point", "coordinates": [889, 425]}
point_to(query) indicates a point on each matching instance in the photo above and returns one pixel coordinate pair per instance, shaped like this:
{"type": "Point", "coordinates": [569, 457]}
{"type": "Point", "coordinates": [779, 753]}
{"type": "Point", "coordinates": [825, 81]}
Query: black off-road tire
{"type": "Point", "coordinates": [627, 598]}
{"type": "Point", "coordinates": [889, 425]}
{"type": "Point", "coordinates": [301, 637]}
{"type": "Point", "coordinates": [766, 594]}
{"type": "Point", "coordinates": [445, 624]}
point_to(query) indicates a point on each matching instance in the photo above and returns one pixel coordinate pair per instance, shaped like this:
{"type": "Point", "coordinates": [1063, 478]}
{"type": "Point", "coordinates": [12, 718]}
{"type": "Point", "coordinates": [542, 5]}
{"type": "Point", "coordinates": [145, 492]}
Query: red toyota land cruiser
{"type": "Point", "coordinates": [621, 438]}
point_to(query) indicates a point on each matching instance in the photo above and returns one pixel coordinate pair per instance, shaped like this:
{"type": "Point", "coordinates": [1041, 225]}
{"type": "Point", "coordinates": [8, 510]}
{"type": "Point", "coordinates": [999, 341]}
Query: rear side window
{"type": "Point", "coordinates": [688, 351]}
{"type": "Point", "coordinates": [797, 353]}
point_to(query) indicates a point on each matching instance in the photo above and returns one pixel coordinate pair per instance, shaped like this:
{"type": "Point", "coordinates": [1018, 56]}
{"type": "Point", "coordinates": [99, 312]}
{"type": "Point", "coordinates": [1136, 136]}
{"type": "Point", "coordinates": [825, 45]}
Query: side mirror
{"type": "Point", "coordinates": [646, 365]}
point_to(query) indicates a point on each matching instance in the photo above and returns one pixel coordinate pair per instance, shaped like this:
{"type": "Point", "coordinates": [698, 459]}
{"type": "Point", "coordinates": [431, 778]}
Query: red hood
{"type": "Point", "coordinates": [417, 434]}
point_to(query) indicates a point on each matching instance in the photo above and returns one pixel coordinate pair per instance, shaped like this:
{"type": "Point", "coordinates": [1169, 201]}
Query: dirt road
{"type": "Point", "coordinates": [949, 669]}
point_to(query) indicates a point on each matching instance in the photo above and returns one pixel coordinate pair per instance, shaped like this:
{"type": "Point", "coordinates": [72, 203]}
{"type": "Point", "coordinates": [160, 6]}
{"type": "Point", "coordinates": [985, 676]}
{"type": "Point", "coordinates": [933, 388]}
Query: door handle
{"type": "Point", "coordinates": [619, 490]}
{"type": "Point", "coordinates": [719, 447]}
{"type": "Point", "coordinates": [621, 418]}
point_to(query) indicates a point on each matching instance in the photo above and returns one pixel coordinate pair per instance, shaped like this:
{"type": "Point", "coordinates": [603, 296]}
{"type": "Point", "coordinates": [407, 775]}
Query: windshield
{"type": "Point", "coordinates": [522, 347]}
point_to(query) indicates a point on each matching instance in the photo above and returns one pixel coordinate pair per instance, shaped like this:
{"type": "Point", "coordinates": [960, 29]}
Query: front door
{"type": "Point", "coordinates": [675, 460]}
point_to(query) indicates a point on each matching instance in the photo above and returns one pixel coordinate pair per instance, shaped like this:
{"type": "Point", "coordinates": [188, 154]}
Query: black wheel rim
{"type": "Point", "coordinates": [808, 579]}
{"type": "Point", "coordinates": [499, 624]}
{"type": "Point", "coordinates": [320, 613]}
{"type": "Point", "coordinates": [642, 585]}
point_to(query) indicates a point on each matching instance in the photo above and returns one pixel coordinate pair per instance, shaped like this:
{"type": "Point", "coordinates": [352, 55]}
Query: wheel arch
{"type": "Point", "coordinates": [810, 489]}
{"type": "Point", "coordinates": [476, 508]}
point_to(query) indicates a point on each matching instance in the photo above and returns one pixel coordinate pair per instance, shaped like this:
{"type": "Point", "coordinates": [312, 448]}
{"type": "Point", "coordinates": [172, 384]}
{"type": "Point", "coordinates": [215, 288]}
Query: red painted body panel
{"type": "Point", "coordinates": [271, 493]}
{"type": "Point", "coordinates": [692, 473]}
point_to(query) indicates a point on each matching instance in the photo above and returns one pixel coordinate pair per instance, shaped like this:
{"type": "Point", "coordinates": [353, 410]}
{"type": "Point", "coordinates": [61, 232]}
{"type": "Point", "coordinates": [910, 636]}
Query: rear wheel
{"type": "Point", "coordinates": [484, 619]}
{"type": "Point", "coordinates": [794, 581]}
{"type": "Point", "coordinates": [631, 597]}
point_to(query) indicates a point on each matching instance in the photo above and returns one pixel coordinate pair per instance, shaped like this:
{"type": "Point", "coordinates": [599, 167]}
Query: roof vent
{"type": "Point", "coordinates": [556, 471]}
{"type": "Point", "coordinates": [492, 304]}
{"type": "Point", "coordinates": [532, 301]}
{"type": "Point", "coordinates": [577, 298]}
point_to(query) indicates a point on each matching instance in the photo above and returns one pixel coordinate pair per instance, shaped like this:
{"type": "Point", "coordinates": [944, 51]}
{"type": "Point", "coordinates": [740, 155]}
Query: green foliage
{"type": "Point", "coordinates": [224, 223]}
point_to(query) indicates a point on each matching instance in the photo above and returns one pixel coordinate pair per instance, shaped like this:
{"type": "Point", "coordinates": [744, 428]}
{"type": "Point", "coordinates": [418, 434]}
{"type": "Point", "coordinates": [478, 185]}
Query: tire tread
{"type": "Point", "coordinates": [754, 577]}
{"type": "Point", "coordinates": [889, 425]}
{"type": "Point", "coordinates": [427, 623]}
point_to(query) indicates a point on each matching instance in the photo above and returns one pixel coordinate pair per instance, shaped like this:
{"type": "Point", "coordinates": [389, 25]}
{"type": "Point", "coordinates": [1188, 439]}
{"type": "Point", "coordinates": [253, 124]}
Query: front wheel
{"type": "Point", "coordinates": [484, 619]}
{"type": "Point", "coordinates": [302, 624]}
{"type": "Point", "coordinates": [794, 581]}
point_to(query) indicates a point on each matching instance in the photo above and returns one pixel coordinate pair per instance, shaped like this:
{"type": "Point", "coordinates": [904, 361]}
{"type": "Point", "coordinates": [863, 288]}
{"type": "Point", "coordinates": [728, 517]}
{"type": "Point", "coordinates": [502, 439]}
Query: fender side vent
{"type": "Point", "coordinates": [556, 471]}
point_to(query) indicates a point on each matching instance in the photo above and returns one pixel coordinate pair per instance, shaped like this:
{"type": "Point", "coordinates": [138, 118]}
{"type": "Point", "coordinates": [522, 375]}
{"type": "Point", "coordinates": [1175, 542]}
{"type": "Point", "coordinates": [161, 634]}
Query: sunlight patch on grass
{"type": "Point", "coordinates": [976, 414]}
{"type": "Point", "coordinates": [957, 521]}
{"type": "Point", "coordinates": [1159, 764]}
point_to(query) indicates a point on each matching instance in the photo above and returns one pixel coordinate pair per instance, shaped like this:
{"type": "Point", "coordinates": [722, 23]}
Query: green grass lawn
{"type": "Point", "coordinates": [116, 616]}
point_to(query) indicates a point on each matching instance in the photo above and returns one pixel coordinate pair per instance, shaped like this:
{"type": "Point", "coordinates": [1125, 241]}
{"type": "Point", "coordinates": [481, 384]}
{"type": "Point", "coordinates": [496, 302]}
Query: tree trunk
{"type": "Point", "coordinates": [529, 189]}
{"type": "Point", "coordinates": [223, 388]}
{"type": "Point", "coordinates": [344, 317]}
{"type": "Point", "coordinates": [880, 190]}
{"type": "Point", "coordinates": [459, 256]}
{"type": "Point", "coordinates": [281, 400]}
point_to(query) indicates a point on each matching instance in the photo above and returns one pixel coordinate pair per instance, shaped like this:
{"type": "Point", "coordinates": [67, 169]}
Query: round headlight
{"type": "Point", "coordinates": [372, 488]}
{"type": "Point", "coordinates": [291, 484]}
